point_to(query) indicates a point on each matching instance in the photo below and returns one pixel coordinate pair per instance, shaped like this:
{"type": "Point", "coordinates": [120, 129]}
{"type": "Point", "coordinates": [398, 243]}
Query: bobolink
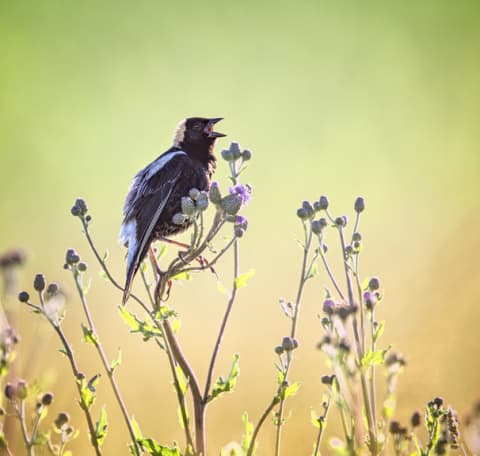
{"type": "Point", "coordinates": [156, 191]}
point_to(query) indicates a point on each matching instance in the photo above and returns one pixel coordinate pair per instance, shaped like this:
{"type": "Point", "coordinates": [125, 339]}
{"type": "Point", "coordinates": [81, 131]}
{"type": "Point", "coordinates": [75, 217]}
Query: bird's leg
{"type": "Point", "coordinates": [201, 259]}
{"type": "Point", "coordinates": [160, 287]}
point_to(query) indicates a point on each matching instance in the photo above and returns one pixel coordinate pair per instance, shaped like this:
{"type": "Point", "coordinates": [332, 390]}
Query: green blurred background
{"type": "Point", "coordinates": [379, 99]}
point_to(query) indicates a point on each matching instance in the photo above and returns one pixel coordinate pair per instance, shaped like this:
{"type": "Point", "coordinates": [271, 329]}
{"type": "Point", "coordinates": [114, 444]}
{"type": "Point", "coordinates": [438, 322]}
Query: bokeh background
{"type": "Point", "coordinates": [379, 99]}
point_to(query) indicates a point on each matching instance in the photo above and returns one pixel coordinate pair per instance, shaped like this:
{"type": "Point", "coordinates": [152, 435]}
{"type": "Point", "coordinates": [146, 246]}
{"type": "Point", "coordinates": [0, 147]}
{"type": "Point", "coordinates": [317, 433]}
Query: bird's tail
{"type": "Point", "coordinates": [131, 271]}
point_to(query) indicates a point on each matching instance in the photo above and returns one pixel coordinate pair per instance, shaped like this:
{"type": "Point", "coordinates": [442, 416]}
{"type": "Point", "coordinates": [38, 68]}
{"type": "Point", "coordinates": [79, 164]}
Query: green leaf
{"type": "Point", "coordinates": [223, 386]}
{"type": "Point", "coordinates": [247, 433]}
{"type": "Point", "coordinates": [117, 361]}
{"type": "Point", "coordinates": [376, 357]}
{"type": "Point", "coordinates": [313, 271]}
{"type": "Point", "coordinates": [181, 276]}
{"type": "Point", "coordinates": [155, 449]}
{"type": "Point", "coordinates": [105, 256]}
{"type": "Point", "coordinates": [242, 279]}
{"type": "Point", "coordinates": [87, 390]}
{"type": "Point", "coordinates": [180, 417]}
{"type": "Point", "coordinates": [138, 326]}
{"type": "Point", "coordinates": [101, 427]}
{"type": "Point", "coordinates": [291, 390]}
{"type": "Point", "coordinates": [41, 438]}
{"type": "Point", "coordinates": [89, 336]}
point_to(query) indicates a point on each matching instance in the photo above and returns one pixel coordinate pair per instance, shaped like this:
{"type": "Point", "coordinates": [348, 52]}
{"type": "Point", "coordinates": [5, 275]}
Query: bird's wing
{"type": "Point", "coordinates": [143, 211]}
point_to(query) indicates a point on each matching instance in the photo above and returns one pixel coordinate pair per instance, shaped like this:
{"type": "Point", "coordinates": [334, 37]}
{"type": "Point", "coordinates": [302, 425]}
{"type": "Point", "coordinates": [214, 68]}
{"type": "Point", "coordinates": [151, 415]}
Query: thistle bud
{"type": "Point", "coordinates": [328, 306]}
{"type": "Point", "coordinates": [47, 399]}
{"type": "Point", "coordinates": [374, 284]}
{"type": "Point", "coordinates": [235, 150]}
{"type": "Point", "coordinates": [52, 288]}
{"type": "Point", "coordinates": [22, 389]}
{"type": "Point", "coordinates": [82, 266]}
{"type": "Point", "coordinates": [302, 213]}
{"type": "Point", "coordinates": [289, 344]}
{"type": "Point", "coordinates": [415, 419]}
{"type": "Point", "coordinates": [71, 257]}
{"type": "Point", "coordinates": [227, 155]}
{"type": "Point", "coordinates": [9, 391]}
{"type": "Point", "coordinates": [214, 194]}
{"type": "Point", "coordinates": [179, 218]}
{"type": "Point", "coordinates": [278, 349]}
{"type": "Point", "coordinates": [188, 206]}
{"type": "Point", "coordinates": [39, 282]}
{"type": "Point", "coordinates": [231, 204]}
{"type": "Point", "coordinates": [23, 296]}
{"type": "Point", "coordinates": [316, 227]}
{"type": "Point", "coordinates": [61, 419]}
{"type": "Point", "coordinates": [194, 193]}
{"type": "Point", "coordinates": [341, 221]}
{"type": "Point", "coordinates": [308, 208]}
{"type": "Point", "coordinates": [323, 203]}
{"type": "Point", "coordinates": [246, 155]}
{"type": "Point", "coordinates": [359, 205]}
{"type": "Point", "coordinates": [79, 209]}
{"type": "Point", "coordinates": [356, 237]}
{"type": "Point", "coordinates": [202, 201]}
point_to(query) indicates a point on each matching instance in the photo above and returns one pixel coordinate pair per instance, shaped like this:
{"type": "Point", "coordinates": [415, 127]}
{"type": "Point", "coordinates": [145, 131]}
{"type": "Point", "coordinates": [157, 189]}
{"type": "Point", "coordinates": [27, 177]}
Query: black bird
{"type": "Point", "coordinates": [156, 191]}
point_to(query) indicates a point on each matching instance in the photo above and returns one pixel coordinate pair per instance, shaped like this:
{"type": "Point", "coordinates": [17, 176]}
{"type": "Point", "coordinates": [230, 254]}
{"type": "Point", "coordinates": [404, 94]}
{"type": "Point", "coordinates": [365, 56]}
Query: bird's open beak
{"type": "Point", "coordinates": [209, 128]}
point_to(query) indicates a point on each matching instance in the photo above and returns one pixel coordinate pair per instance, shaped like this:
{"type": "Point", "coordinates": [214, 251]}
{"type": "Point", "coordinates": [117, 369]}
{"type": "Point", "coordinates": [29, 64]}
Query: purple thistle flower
{"type": "Point", "coordinates": [243, 191]}
{"type": "Point", "coordinates": [241, 220]}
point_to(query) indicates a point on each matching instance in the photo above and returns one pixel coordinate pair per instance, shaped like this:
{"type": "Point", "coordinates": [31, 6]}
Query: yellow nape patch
{"type": "Point", "coordinates": [179, 132]}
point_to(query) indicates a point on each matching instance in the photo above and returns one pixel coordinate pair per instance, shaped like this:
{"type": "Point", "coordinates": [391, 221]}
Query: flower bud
{"type": "Point", "coordinates": [82, 266]}
{"type": "Point", "coordinates": [356, 237]}
{"type": "Point", "coordinates": [231, 204]}
{"type": "Point", "coordinates": [79, 209]}
{"type": "Point", "coordinates": [359, 205]}
{"type": "Point", "coordinates": [328, 379]}
{"type": "Point", "coordinates": [341, 221]}
{"type": "Point", "coordinates": [302, 213]}
{"type": "Point", "coordinates": [39, 282]}
{"type": "Point", "coordinates": [316, 227]}
{"type": "Point", "coordinates": [9, 391]}
{"type": "Point", "coordinates": [278, 349]}
{"type": "Point", "coordinates": [246, 155]}
{"type": "Point", "coordinates": [23, 296]}
{"type": "Point", "coordinates": [22, 389]}
{"type": "Point", "coordinates": [188, 206]}
{"type": "Point", "coordinates": [194, 193]}
{"type": "Point", "coordinates": [202, 201]}
{"type": "Point", "coordinates": [179, 219]}
{"type": "Point", "coordinates": [322, 203]}
{"type": "Point", "coordinates": [374, 284]}
{"type": "Point", "coordinates": [235, 150]}
{"type": "Point", "coordinates": [415, 419]}
{"type": "Point", "coordinates": [47, 399]}
{"type": "Point", "coordinates": [308, 208]}
{"type": "Point", "coordinates": [214, 193]}
{"type": "Point", "coordinates": [227, 155]}
{"type": "Point", "coordinates": [289, 344]}
{"type": "Point", "coordinates": [328, 306]}
{"type": "Point", "coordinates": [52, 288]}
{"type": "Point", "coordinates": [61, 419]}
{"type": "Point", "coordinates": [71, 257]}
{"type": "Point", "coordinates": [370, 300]}
{"type": "Point", "coordinates": [238, 231]}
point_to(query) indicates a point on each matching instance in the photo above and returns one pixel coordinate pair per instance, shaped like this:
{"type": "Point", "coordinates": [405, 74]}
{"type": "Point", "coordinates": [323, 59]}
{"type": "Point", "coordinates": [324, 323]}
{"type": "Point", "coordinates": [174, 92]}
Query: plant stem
{"type": "Point", "coordinates": [366, 398]}
{"type": "Point", "coordinates": [105, 362]}
{"type": "Point", "coordinates": [228, 310]}
{"type": "Point", "coordinates": [68, 352]}
{"type": "Point", "coordinates": [303, 278]}
{"type": "Point", "coordinates": [176, 381]}
{"type": "Point", "coordinates": [262, 419]}
{"type": "Point", "coordinates": [23, 426]}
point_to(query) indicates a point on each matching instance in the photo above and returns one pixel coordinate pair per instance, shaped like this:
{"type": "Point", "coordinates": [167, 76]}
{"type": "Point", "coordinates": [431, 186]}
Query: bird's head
{"type": "Point", "coordinates": [196, 134]}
